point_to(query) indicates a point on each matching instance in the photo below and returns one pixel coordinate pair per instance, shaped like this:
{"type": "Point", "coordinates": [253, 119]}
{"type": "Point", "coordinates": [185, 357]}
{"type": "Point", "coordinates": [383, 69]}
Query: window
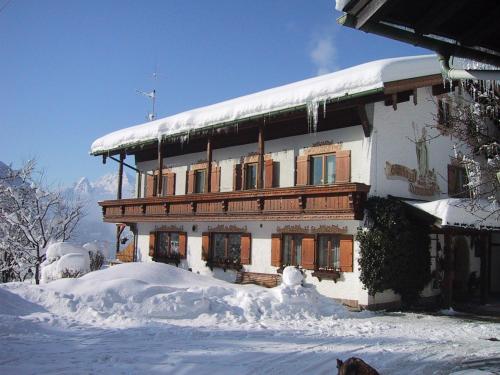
{"type": "Point", "coordinates": [199, 180]}
{"type": "Point", "coordinates": [457, 182]}
{"type": "Point", "coordinates": [250, 176]}
{"type": "Point", "coordinates": [292, 249]}
{"type": "Point", "coordinates": [167, 247]}
{"type": "Point", "coordinates": [226, 246]}
{"type": "Point", "coordinates": [164, 181]}
{"type": "Point", "coordinates": [323, 169]}
{"type": "Point", "coordinates": [328, 252]}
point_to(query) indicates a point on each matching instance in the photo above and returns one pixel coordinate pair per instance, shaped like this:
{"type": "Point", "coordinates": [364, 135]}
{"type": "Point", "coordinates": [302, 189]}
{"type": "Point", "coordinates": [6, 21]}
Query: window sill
{"type": "Point", "coordinates": [327, 275]}
{"type": "Point", "coordinates": [225, 264]}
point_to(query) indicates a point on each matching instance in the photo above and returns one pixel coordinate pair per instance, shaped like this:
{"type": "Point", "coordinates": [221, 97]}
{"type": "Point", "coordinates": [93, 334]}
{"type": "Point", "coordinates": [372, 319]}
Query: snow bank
{"type": "Point", "coordinates": [145, 291]}
{"type": "Point", "coordinates": [310, 92]}
{"type": "Point", "coordinates": [63, 257]}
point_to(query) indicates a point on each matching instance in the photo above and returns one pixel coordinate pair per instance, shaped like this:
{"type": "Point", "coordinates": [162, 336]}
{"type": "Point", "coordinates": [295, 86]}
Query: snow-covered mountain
{"type": "Point", "coordinates": [92, 228]}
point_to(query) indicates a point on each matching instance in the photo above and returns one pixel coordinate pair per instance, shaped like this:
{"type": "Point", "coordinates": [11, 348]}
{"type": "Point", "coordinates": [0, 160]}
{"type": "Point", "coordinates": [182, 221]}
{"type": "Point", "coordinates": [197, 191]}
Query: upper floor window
{"type": "Point", "coordinates": [323, 169]}
{"type": "Point", "coordinates": [250, 176]}
{"type": "Point", "coordinates": [457, 182]}
{"type": "Point", "coordinates": [199, 180]}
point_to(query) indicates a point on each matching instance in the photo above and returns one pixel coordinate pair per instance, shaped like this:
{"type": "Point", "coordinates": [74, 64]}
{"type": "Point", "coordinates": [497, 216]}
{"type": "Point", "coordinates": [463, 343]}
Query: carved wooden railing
{"type": "Point", "coordinates": [338, 201]}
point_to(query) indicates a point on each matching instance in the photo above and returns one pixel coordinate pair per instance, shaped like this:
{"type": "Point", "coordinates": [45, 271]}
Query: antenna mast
{"type": "Point", "coordinates": [151, 95]}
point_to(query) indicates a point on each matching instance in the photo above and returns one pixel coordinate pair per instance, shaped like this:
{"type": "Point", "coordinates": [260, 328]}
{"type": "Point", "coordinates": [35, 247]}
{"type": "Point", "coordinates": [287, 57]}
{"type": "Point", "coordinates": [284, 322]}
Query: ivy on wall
{"type": "Point", "coordinates": [394, 251]}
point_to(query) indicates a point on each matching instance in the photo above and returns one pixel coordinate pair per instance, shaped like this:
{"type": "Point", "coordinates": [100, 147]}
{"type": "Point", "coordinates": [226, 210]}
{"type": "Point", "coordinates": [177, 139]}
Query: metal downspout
{"type": "Point", "coordinates": [457, 74]}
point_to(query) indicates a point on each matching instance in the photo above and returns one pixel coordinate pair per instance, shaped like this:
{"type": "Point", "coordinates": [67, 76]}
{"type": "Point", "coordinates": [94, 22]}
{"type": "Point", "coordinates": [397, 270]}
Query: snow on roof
{"type": "Point", "coordinates": [340, 4]}
{"type": "Point", "coordinates": [465, 213]}
{"type": "Point", "coordinates": [310, 92]}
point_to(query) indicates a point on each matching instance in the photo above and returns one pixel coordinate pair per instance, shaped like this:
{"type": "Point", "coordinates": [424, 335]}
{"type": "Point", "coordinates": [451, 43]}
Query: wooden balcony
{"type": "Point", "coordinates": [337, 202]}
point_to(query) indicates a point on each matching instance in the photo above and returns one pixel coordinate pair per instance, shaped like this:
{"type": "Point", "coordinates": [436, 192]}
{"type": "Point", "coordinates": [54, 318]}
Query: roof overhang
{"type": "Point", "coordinates": [462, 28]}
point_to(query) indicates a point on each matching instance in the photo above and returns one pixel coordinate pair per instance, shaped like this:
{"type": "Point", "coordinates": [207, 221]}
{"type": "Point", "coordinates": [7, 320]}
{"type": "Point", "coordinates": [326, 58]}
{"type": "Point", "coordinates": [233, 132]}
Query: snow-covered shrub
{"type": "Point", "coordinates": [65, 260]}
{"type": "Point", "coordinates": [96, 255]}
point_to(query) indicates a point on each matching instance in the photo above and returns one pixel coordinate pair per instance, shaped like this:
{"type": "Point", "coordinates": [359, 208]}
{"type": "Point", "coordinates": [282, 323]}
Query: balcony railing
{"type": "Point", "coordinates": [338, 201]}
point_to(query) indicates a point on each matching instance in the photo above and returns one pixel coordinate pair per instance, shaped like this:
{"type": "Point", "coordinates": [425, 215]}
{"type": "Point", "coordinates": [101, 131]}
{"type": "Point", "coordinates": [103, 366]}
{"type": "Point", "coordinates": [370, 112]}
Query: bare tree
{"type": "Point", "coordinates": [31, 217]}
{"type": "Point", "coordinates": [471, 117]}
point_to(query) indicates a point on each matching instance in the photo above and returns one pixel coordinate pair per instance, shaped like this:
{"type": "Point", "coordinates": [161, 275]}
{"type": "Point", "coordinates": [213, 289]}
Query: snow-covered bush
{"type": "Point", "coordinates": [96, 255]}
{"type": "Point", "coordinates": [65, 260]}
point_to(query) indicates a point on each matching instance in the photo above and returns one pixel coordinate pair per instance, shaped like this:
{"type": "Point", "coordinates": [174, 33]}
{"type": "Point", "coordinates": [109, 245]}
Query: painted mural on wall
{"type": "Point", "coordinates": [421, 180]}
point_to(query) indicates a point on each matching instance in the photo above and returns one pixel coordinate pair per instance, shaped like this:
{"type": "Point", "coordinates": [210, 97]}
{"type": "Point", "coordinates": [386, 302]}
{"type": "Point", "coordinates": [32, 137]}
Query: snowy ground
{"type": "Point", "coordinates": [153, 318]}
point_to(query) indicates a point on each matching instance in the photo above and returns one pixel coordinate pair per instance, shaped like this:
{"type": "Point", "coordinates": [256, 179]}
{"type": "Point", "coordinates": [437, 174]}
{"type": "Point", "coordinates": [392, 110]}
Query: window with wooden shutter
{"type": "Point", "coordinates": [346, 253]}
{"type": "Point", "coordinates": [268, 173]}
{"type": "Point", "coordinates": [308, 252]}
{"type": "Point", "coordinates": [205, 245]}
{"type": "Point", "coordinates": [215, 179]}
{"type": "Point", "coordinates": [343, 161]}
{"type": "Point", "coordinates": [302, 170]}
{"type": "Point", "coordinates": [152, 242]}
{"type": "Point", "coordinates": [150, 181]}
{"type": "Point", "coordinates": [276, 250]}
{"type": "Point", "coordinates": [457, 182]}
{"type": "Point", "coordinates": [190, 181]}
{"type": "Point", "coordinates": [170, 183]}
{"type": "Point", "coordinates": [182, 245]}
{"type": "Point", "coordinates": [246, 248]}
{"type": "Point", "coordinates": [237, 177]}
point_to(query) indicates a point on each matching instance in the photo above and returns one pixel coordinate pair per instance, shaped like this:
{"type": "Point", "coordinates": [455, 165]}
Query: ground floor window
{"type": "Point", "coordinates": [167, 245]}
{"type": "Point", "coordinates": [328, 252]}
{"type": "Point", "coordinates": [226, 246]}
{"type": "Point", "coordinates": [292, 249]}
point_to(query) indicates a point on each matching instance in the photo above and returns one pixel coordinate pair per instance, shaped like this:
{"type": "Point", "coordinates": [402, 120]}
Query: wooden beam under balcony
{"type": "Point", "coordinates": [336, 202]}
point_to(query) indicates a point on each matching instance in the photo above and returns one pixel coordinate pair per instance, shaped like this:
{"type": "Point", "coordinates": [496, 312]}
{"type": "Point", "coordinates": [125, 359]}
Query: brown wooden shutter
{"type": "Point", "coordinates": [190, 182]}
{"type": "Point", "coordinates": [268, 174]}
{"type": "Point", "coordinates": [246, 248]}
{"type": "Point", "coordinates": [182, 245]}
{"type": "Point", "coordinates": [237, 176]}
{"type": "Point", "coordinates": [150, 181]}
{"type": "Point", "coordinates": [170, 183]}
{"type": "Point", "coordinates": [346, 253]}
{"type": "Point", "coordinates": [343, 162]}
{"type": "Point", "coordinates": [152, 241]}
{"type": "Point", "coordinates": [276, 250]}
{"type": "Point", "coordinates": [205, 245]}
{"type": "Point", "coordinates": [308, 253]}
{"type": "Point", "coordinates": [302, 170]}
{"type": "Point", "coordinates": [215, 179]}
{"type": "Point", "coordinates": [452, 180]}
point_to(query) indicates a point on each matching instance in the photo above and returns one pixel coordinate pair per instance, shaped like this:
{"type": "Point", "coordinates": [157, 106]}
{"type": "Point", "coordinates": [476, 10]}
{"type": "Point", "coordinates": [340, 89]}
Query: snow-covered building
{"type": "Point", "coordinates": [241, 188]}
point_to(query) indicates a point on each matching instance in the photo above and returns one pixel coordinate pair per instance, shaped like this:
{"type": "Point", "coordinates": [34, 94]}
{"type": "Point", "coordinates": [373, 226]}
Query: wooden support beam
{"type": "Point", "coordinates": [160, 169]}
{"type": "Point", "coordinates": [208, 180]}
{"type": "Point", "coordinates": [372, 11]}
{"type": "Point", "coordinates": [365, 123]}
{"type": "Point", "coordinates": [120, 176]}
{"type": "Point", "coordinates": [260, 165]}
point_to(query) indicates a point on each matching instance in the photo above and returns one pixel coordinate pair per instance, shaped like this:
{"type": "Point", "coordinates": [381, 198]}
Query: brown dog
{"type": "Point", "coordinates": [355, 366]}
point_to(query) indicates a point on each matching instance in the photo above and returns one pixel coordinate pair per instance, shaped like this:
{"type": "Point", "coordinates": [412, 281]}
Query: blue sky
{"type": "Point", "coordinates": [69, 70]}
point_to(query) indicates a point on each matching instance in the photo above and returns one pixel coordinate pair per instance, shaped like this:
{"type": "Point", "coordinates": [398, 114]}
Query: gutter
{"type": "Point", "coordinates": [458, 74]}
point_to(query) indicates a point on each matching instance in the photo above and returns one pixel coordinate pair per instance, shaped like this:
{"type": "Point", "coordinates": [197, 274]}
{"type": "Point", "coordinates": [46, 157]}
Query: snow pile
{"type": "Point", "coordinates": [292, 276]}
{"type": "Point", "coordinates": [63, 258]}
{"type": "Point", "coordinates": [145, 291]}
{"type": "Point", "coordinates": [463, 212]}
{"type": "Point", "coordinates": [311, 92]}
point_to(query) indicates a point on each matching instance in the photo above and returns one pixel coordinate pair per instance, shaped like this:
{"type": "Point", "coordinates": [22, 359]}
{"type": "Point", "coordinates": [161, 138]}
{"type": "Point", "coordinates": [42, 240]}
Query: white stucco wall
{"type": "Point", "coordinates": [348, 287]}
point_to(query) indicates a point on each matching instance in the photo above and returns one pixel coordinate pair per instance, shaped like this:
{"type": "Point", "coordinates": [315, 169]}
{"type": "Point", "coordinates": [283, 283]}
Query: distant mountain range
{"type": "Point", "coordinates": [92, 228]}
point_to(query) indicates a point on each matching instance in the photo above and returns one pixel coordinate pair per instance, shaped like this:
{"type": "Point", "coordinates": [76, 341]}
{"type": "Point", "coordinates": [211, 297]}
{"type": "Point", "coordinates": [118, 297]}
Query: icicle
{"type": "Point", "coordinates": [324, 109]}
{"type": "Point", "coordinates": [312, 115]}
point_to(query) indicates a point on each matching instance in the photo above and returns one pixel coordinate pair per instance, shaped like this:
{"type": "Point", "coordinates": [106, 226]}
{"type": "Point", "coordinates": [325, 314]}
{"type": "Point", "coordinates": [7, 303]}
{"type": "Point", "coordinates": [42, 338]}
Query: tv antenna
{"type": "Point", "coordinates": [152, 96]}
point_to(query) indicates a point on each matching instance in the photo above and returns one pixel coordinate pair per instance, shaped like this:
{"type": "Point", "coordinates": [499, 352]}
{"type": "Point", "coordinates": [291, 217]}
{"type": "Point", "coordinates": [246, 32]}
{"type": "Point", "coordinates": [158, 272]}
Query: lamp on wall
{"type": "Point", "coordinates": [194, 227]}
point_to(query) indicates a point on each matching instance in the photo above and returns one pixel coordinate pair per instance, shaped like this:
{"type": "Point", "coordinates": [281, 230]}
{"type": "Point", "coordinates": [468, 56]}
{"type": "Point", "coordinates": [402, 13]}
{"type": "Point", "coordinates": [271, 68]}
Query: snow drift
{"type": "Point", "coordinates": [145, 291]}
